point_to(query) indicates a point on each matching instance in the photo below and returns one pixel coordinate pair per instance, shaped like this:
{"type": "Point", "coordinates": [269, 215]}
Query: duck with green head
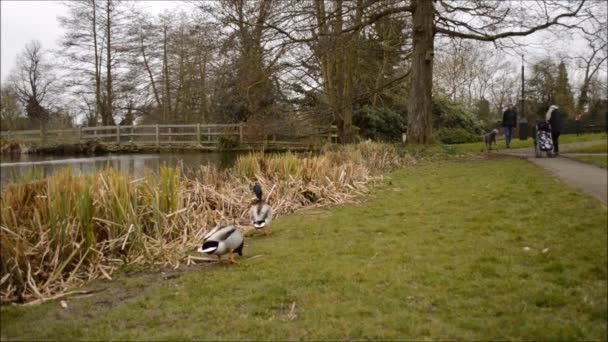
{"type": "Point", "coordinates": [260, 212]}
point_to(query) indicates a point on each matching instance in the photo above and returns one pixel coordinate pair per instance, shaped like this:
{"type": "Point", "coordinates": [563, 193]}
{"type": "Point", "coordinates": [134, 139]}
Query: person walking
{"type": "Point", "coordinates": [509, 122]}
{"type": "Point", "coordinates": [554, 118]}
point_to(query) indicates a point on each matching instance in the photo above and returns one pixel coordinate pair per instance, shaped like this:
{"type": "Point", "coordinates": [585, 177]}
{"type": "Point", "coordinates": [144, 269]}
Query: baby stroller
{"type": "Point", "coordinates": [542, 139]}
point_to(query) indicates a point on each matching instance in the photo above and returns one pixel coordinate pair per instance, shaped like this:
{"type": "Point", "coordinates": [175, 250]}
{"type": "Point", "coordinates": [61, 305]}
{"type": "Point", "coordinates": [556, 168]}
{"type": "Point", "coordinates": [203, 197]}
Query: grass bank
{"type": "Point", "coordinates": [67, 229]}
{"type": "Point", "coordinates": [600, 160]}
{"type": "Point", "coordinates": [473, 250]}
{"type": "Point", "coordinates": [599, 147]}
{"type": "Point", "coordinates": [516, 143]}
{"type": "Point", "coordinates": [15, 147]}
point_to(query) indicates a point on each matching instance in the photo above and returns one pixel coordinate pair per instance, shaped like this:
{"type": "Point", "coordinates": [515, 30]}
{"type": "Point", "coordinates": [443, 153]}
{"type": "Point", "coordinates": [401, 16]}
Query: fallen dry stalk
{"type": "Point", "coordinates": [60, 295]}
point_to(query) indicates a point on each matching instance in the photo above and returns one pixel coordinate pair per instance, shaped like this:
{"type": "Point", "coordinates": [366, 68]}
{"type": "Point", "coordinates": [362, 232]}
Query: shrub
{"type": "Point", "coordinates": [227, 143]}
{"type": "Point", "coordinates": [381, 124]}
{"type": "Point", "coordinates": [448, 114]}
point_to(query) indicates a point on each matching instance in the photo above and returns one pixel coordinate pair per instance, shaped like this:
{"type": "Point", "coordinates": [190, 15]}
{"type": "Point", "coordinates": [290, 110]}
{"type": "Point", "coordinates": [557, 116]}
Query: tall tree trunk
{"type": "Point", "coordinates": [338, 66]}
{"type": "Point", "coordinates": [167, 93]}
{"type": "Point", "coordinates": [583, 98]}
{"type": "Point", "coordinates": [350, 56]}
{"type": "Point", "coordinates": [108, 117]}
{"type": "Point", "coordinates": [420, 102]}
{"type": "Point", "coordinates": [180, 109]}
{"type": "Point", "coordinates": [341, 104]}
{"type": "Point", "coordinates": [149, 71]}
{"type": "Point", "coordinates": [203, 86]}
{"type": "Point", "coordinates": [98, 104]}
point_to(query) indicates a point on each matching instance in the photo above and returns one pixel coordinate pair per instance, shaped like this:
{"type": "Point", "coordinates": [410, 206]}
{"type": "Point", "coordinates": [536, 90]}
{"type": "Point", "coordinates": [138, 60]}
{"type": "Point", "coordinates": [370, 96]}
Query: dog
{"type": "Point", "coordinates": [488, 139]}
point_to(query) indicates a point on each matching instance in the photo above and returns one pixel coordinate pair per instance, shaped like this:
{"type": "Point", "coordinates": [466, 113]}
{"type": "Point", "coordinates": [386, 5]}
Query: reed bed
{"type": "Point", "coordinates": [65, 230]}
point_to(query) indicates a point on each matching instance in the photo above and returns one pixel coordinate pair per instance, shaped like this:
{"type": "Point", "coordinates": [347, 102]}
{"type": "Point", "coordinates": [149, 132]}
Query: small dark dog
{"type": "Point", "coordinates": [489, 139]}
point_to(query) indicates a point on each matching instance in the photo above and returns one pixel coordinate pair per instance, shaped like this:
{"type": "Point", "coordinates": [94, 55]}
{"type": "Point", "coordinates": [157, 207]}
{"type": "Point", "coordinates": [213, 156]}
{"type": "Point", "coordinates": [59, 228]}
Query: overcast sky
{"type": "Point", "coordinates": [24, 20]}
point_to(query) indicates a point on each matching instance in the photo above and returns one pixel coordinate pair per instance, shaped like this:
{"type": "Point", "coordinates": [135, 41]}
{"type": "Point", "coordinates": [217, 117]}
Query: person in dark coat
{"type": "Point", "coordinates": [554, 118]}
{"type": "Point", "coordinates": [509, 122]}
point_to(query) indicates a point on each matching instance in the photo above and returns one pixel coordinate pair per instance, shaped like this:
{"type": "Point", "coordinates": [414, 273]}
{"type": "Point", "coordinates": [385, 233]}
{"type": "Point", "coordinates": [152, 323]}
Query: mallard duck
{"type": "Point", "coordinates": [221, 240]}
{"type": "Point", "coordinates": [260, 212]}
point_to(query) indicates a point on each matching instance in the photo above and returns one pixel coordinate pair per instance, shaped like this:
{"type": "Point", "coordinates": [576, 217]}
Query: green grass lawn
{"type": "Point", "coordinates": [601, 161]}
{"type": "Point", "coordinates": [600, 147]}
{"type": "Point", "coordinates": [516, 143]}
{"type": "Point", "coordinates": [437, 252]}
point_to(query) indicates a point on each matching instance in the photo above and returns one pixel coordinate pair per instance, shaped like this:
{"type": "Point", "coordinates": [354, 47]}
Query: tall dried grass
{"type": "Point", "coordinates": [67, 229]}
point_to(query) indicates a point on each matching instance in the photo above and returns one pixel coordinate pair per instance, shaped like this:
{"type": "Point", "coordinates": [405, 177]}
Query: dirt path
{"type": "Point", "coordinates": [585, 177]}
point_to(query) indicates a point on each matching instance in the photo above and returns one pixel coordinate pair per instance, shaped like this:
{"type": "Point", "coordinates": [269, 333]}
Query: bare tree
{"type": "Point", "coordinates": [10, 111]}
{"type": "Point", "coordinates": [451, 65]}
{"type": "Point", "coordinates": [169, 60]}
{"type": "Point", "coordinates": [488, 21]}
{"type": "Point", "coordinates": [82, 47]}
{"type": "Point", "coordinates": [338, 63]}
{"type": "Point", "coordinates": [93, 46]}
{"type": "Point", "coordinates": [32, 80]}
{"type": "Point", "coordinates": [503, 87]}
{"type": "Point", "coordinates": [247, 65]}
{"type": "Point", "coordinates": [593, 61]}
{"type": "Point", "coordinates": [330, 55]}
{"type": "Point", "coordinates": [468, 72]}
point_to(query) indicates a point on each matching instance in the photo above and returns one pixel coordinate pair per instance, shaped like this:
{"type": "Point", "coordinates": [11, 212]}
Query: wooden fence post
{"type": "Point", "coordinates": [241, 133]}
{"type": "Point", "coordinates": [209, 134]}
{"type": "Point", "coordinates": [79, 135]}
{"type": "Point", "coordinates": [118, 134]}
{"type": "Point", "coordinates": [198, 132]}
{"type": "Point", "coordinates": [157, 137]}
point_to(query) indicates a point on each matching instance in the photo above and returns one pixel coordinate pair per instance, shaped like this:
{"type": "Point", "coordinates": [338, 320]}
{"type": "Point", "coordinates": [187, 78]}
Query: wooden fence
{"type": "Point", "coordinates": [168, 135]}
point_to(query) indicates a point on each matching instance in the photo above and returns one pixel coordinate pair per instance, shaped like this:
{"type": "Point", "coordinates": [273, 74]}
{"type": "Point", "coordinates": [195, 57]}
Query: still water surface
{"type": "Point", "coordinates": [21, 167]}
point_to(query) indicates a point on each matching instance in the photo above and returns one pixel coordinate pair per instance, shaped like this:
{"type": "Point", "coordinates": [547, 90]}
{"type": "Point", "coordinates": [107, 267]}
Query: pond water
{"type": "Point", "coordinates": [24, 167]}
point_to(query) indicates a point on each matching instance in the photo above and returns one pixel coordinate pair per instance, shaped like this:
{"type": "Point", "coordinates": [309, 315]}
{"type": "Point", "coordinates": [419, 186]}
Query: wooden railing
{"type": "Point", "coordinates": [162, 135]}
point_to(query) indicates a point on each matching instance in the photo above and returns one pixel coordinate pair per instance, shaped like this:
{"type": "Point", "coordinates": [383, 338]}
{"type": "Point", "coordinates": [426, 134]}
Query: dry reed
{"type": "Point", "coordinates": [63, 231]}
